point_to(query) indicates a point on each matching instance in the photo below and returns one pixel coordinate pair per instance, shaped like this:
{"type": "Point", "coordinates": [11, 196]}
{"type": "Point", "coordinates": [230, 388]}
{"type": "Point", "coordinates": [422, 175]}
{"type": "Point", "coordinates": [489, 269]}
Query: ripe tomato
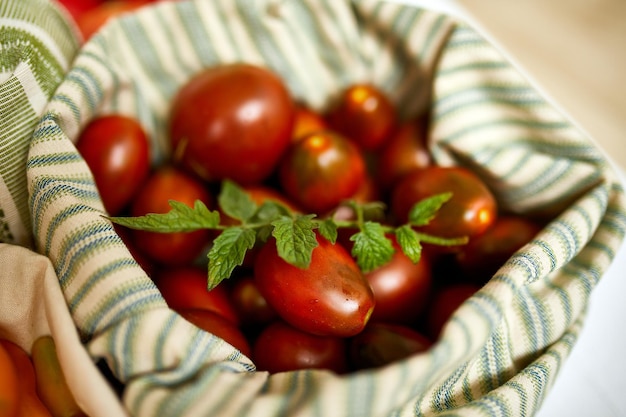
{"type": "Point", "coordinates": [281, 347]}
{"type": "Point", "coordinates": [77, 7]}
{"type": "Point", "coordinates": [403, 152]}
{"type": "Point", "coordinates": [444, 303]}
{"type": "Point", "coordinates": [90, 21]}
{"type": "Point", "coordinates": [331, 297]}
{"type": "Point", "coordinates": [231, 121]}
{"type": "Point", "coordinates": [185, 287]}
{"type": "Point", "coordinates": [168, 183]}
{"type": "Point", "coordinates": [364, 114]}
{"type": "Point", "coordinates": [9, 382]}
{"type": "Point", "coordinates": [401, 288]}
{"type": "Point", "coordinates": [321, 170]}
{"type": "Point", "coordinates": [219, 326]}
{"type": "Point", "coordinates": [470, 211]}
{"type": "Point", "coordinates": [485, 254]}
{"type": "Point", "coordinates": [307, 121]}
{"type": "Point", "coordinates": [116, 149]}
{"type": "Point", "coordinates": [380, 344]}
{"type": "Point", "coordinates": [252, 308]}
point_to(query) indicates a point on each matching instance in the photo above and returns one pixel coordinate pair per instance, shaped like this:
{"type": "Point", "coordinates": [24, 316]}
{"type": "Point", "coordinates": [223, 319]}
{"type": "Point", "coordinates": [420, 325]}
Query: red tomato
{"type": "Point", "coordinates": [232, 121]}
{"type": "Point", "coordinates": [321, 170]}
{"type": "Point", "coordinates": [90, 21]}
{"type": "Point", "coordinates": [485, 254]}
{"type": "Point", "coordinates": [306, 122]}
{"type": "Point", "coordinates": [116, 149]}
{"type": "Point", "coordinates": [404, 152]}
{"type": "Point", "coordinates": [186, 287]}
{"type": "Point", "coordinates": [78, 7]}
{"type": "Point", "coordinates": [252, 308]}
{"type": "Point", "coordinates": [331, 297]}
{"type": "Point", "coordinates": [281, 347]}
{"type": "Point", "coordinates": [401, 288]}
{"type": "Point", "coordinates": [383, 343]}
{"type": "Point", "coordinates": [219, 326]}
{"type": "Point", "coordinates": [9, 382]}
{"type": "Point", "coordinates": [444, 303]}
{"type": "Point", "coordinates": [470, 211]}
{"type": "Point", "coordinates": [168, 183]}
{"type": "Point", "coordinates": [364, 114]}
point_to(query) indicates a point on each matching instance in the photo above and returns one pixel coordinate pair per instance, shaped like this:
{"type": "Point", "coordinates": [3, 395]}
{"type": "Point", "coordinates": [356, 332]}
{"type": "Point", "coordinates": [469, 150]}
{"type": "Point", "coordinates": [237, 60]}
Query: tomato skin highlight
{"type": "Point", "coordinates": [329, 298]}
{"type": "Point", "coordinates": [231, 121]}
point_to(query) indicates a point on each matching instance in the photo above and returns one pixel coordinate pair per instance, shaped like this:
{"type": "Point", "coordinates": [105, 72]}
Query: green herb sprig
{"type": "Point", "coordinates": [294, 232]}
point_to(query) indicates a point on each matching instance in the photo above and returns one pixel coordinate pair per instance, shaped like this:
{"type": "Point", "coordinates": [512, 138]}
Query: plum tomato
{"type": "Point", "coordinates": [401, 288]}
{"type": "Point", "coordinates": [321, 170]}
{"type": "Point", "coordinates": [403, 152]}
{"type": "Point", "coordinates": [231, 121]}
{"type": "Point", "coordinates": [364, 114]}
{"type": "Point", "coordinates": [219, 326]}
{"type": "Point", "coordinates": [186, 287]}
{"type": "Point", "coordinates": [330, 298]}
{"type": "Point", "coordinates": [486, 253]}
{"type": "Point", "coordinates": [91, 20]}
{"type": "Point", "coordinates": [380, 344]}
{"type": "Point", "coordinates": [164, 184]}
{"type": "Point", "coordinates": [445, 301]}
{"type": "Point", "coordinates": [470, 211]}
{"type": "Point", "coordinates": [306, 122]}
{"type": "Point", "coordinates": [281, 347]}
{"type": "Point", "coordinates": [251, 307]}
{"type": "Point", "coordinates": [116, 149]}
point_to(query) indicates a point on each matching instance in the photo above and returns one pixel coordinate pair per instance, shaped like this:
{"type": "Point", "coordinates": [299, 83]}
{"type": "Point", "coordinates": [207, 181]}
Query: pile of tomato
{"type": "Point", "coordinates": [240, 122]}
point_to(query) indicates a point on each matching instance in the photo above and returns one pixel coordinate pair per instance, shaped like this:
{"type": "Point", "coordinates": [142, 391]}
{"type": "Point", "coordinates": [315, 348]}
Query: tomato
{"type": "Point", "coordinates": [321, 170]}
{"type": "Point", "coordinates": [90, 21]}
{"type": "Point", "coordinates": [186, 287]}
{"type": "Point", "coordinates": [403, 152]}
{"type": "Point", "coordinates": [9, 381]}
{"type": "Point", "coordinates": [219, 326]}
{"type": "Point", "coordinates": [252, 308]}
{"type": "Point", "coordinates": [470, 211]}
{"type": "Point", "coordinates": [331, 297]}
{"type": "Point", "coordinates": [444, 303]}
{"type": "Point", "coordinates": [485, 254]}
{"type": "Point", "coordinates": [306, 122]}
{"type": "Point", "coordinates": [281, 347]}
{"type": "Point", "coordinates": [116, 149]}
{"type": "Point", "coordinates": [401, 288]}
{"type": "Point", "coordinates": [231, 121]}
{"type": "Point", "coordinates": [170, 248]}
{"type": "Point", "coordinates": [380, 344]}
{"type": "Point", "coordinates": [78, 7]}
{"type": "Point", "coordinates": [364, 114]}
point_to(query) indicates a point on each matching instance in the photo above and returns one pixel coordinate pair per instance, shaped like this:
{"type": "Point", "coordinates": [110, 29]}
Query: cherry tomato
{"type": "Point", "coordinates": [306, 122]}
{"type": "Point", "coordinates": [219, 326]}
{"type": "Point", "coordinates": [78, 7]}
{"type": "Point", "coordinates": [403, 152]}
{"type": "Point", "coordinates": [281, 347]}
{"type": "Point", "coordinates": [401, 288]}
{"type": "Point", "coordinates": [486, 253]}
{"type": "Point", "coordinates": [321, 170]}
{"type": "Point", "coordinates": [331, 297]}
{"type": "Point", "coordinates": [364, 114]}
{"type": "Point", "coordinates": [470, 211]}
{"type": "Point", "coordinates": [252, 308]}
{"type": "Point", "coordinates": [116, 149]}
{"type": "Point", "coordinates": [444, 303]}
{"type": "Point", "coordinates": [9, 381]}
{"type": "Point", "coordinates": [380, 344]}
{"type": "Point", "coordinates": [168, 183]}
{"type": "Point", "coordinates": [90, 21]}
{"type": "Point", "coordinates": [185, 287]}
{"type": "Point", "coordinates": [232, 121]}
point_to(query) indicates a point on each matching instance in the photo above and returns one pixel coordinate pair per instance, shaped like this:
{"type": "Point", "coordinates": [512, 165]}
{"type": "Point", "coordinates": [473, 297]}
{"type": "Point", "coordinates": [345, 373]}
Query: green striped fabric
{"type": "Point", "coordinates": [501, 351]}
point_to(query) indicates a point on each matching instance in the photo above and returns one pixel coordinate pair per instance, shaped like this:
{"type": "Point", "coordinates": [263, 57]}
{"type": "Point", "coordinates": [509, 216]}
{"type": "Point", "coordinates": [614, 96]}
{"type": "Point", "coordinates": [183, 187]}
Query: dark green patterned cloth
{"type": "Point", "coordinates": [501, 351]}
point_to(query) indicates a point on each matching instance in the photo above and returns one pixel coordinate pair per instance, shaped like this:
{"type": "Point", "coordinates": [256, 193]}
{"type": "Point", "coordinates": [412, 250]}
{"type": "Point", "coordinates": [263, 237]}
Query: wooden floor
{"type": "Point", "coordinates": [575, 50]}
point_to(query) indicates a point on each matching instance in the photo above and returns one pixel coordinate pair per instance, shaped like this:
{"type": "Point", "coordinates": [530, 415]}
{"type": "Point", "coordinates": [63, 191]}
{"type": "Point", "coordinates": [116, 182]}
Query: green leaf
{"type": "Point", "coordinates": [328, 229]}
{"type": "Point", "coordinates": [228, 252]}
{"type": "Point", "coordinates": [270, 211]}
{"type": "Point", "coordinates": [374, 210]}
{"type": "Point", "coordinates": [409, 242]}
{"type": "Point", "coordinates": [235, 202]}
{"type": "Point", "coordinates": [181, 218]}
{"type": "Point", "coordinates": [372, 248]}
{"type": "Point", "coordinates": [295, 239]}
{"type": "Point", "coordinates": [425, 210]}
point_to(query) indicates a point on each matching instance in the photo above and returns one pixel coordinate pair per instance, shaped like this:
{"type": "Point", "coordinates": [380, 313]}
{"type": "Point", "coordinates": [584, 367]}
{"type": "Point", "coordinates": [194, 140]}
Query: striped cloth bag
{"type": "Point", "coordinates": [501, 351]}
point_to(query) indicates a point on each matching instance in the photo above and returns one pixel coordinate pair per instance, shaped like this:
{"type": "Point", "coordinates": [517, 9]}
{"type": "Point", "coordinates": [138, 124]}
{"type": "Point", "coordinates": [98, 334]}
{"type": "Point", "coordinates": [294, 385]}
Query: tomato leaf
{"type": "Point", "coordinates": [228, 252]}
{"type": "Point", "coordinates": [181, 218]}
{"type": "Point", "coordinates": [425, 210]}
{"type": "Point", "coordinates": [235, 202]}
{"type": "Point", "coordinates": [372, 248]}
{"type": "Point", "coordinates": [295, 239]}
{"type": "Point", "coordinates": [270, 211]}
{"type": "Point", "coordinates": [409, 242]}
{"type": "Point", "coordinates": [328, 229]}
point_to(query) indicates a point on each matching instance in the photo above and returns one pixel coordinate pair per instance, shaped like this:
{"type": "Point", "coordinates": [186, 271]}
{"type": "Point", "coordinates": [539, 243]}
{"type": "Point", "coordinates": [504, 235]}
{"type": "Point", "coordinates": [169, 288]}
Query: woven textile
{"type": "Point", "coordinates": [501, 351]}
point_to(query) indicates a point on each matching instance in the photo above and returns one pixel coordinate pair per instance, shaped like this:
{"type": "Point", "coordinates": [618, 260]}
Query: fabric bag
{"type": "Point", "coordinates": [500, 352]}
